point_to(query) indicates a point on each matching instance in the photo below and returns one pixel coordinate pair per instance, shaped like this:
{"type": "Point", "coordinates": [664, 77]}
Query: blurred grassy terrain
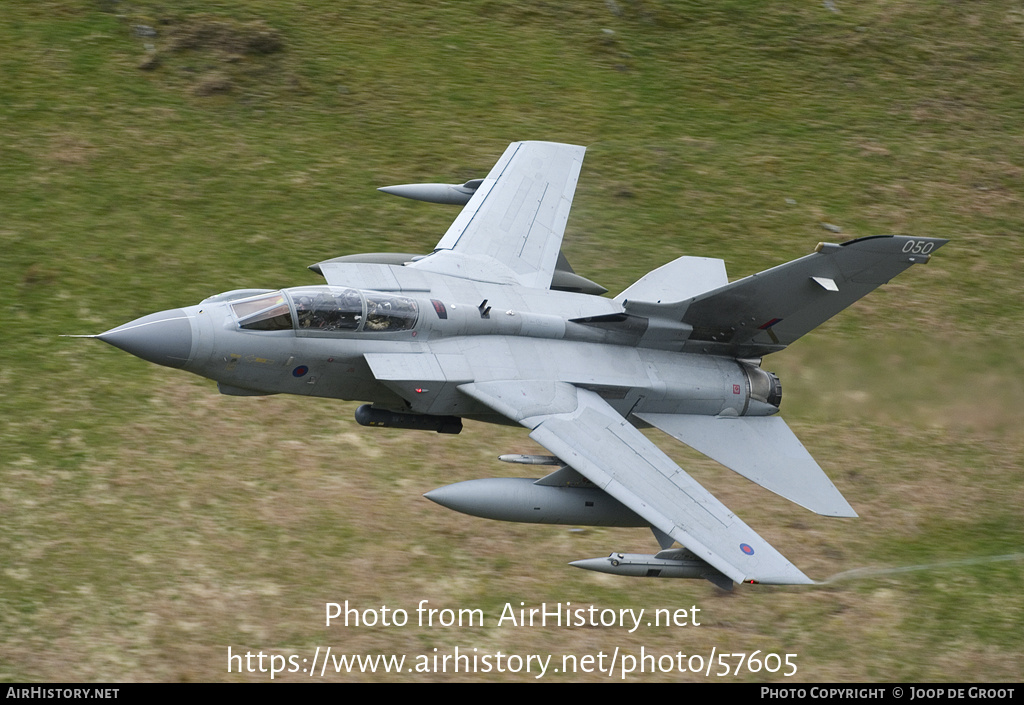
{"type": "Point", "coordinates": [152, 154]}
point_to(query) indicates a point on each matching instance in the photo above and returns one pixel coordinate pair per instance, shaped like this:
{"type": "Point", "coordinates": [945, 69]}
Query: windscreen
{"type": "Point", "coordinates": [268, 312]}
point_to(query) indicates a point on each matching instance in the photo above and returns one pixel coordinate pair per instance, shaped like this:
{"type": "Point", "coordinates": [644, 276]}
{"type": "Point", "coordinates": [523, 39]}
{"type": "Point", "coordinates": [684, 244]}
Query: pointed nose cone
{"type": "Point", "coordinates": [164, 338]}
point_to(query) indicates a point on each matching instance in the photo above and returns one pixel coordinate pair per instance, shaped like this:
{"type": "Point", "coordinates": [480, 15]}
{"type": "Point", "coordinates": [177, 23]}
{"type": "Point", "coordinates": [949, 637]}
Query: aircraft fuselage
{"type": "Point", "coordinates": [410, 354]}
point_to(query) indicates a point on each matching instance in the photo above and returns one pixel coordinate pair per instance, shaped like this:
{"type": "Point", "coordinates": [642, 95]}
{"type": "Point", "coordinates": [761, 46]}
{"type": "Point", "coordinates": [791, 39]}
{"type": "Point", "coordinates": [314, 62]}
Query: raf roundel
{"type": "Point", "coordinates": [747, 548]}
{"type": "Point", "coordinates": [300, 371]}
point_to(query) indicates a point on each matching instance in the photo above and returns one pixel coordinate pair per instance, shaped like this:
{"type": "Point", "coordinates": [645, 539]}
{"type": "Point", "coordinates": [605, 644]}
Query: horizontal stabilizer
{"type": "Point", "coordinates": [680, 279]}
{"type": "Point", "coordinates": [762, 449]}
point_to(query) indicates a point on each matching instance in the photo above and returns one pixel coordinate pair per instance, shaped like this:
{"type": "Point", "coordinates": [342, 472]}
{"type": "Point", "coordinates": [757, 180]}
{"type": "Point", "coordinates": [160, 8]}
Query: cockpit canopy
{"type": "Point", "coordinates": [326, 309]}
{"type": "Point", "coordinates": [267, 312]}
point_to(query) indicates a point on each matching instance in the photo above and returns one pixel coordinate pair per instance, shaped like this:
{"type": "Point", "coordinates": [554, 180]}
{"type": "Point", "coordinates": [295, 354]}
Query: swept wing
{"type": "Point", "coordinates": [762, 449]}
{"type": "Point", "coordinates": [585, 432]}
{"type": "Point", "coordinates": [511, 230]}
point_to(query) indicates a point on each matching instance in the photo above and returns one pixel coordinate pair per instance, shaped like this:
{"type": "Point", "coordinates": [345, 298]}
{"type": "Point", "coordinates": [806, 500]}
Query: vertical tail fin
{"type": "Point", "coordinates": [765, 312]}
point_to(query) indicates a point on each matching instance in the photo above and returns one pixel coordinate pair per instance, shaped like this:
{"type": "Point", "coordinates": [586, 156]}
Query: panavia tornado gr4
{"type": "Point", "coordinates": [495, 326]}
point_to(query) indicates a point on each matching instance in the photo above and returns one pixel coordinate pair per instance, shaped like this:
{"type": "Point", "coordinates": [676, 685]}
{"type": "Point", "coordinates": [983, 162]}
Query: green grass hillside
{"type": "Point", "coordinates": [153, 154]}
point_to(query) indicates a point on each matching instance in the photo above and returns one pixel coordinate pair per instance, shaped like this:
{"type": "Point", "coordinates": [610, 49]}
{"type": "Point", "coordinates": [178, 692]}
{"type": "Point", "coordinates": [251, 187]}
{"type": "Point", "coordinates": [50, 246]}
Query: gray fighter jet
{"type": "Point", "coordinates": [494, 326]}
